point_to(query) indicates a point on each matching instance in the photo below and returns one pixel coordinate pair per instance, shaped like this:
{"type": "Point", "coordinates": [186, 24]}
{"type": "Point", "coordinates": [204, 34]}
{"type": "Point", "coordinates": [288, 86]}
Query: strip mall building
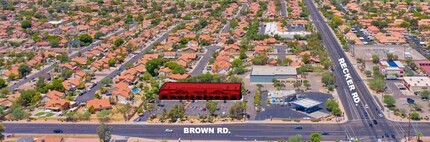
{"type": "Point", "coordinates": [200, 91]}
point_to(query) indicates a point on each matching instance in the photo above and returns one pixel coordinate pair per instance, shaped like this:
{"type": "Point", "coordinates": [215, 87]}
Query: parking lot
{"type": "Point", "coordinates": [401, 95]}
{"type": "Point", "coordinates": [367, 51]}
{"type": "Point", "coordinates": [195, 108]}
{"type": "Point", "coordinates": [287, 111]}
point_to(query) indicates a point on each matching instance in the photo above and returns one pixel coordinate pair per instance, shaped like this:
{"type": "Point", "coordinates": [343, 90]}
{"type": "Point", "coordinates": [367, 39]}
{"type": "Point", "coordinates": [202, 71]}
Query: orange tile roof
{"type": "Point", "coordinates": [99, 104]}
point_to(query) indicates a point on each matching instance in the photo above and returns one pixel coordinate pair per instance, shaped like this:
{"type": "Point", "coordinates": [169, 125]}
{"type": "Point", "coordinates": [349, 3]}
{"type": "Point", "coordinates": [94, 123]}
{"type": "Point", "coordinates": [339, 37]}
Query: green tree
{"type": "Point", "coordinates": [3, 83]}
{"type": "Point", "coordinates": [425, 94]}
{"type": "Point", "coordinates": [24, 70]}
{"type": "Point", "coordinates": [237, 110]}
{"type": "Point", "coordinates": [377, 84]}
{"type": "Point", "coordinates": [389, 100]}
{"type": "Point", "coordinates": [56, 84]}
{"type": "Point", "coordinates": [333, 107]}
{"type": "Point", "coordinates": [125, 111]}
{"type": "Point", "coordinates": [375, 59]}
{"type": "Point", "coordinates": [212, 107]}
{"type": "Point", "coordinates": [415, 116]}
{"type": "Point", "coordinates": [29, 97]}
{"type": "Point", "coordinates": [92, 110]}
{"type": "Point", "coordinates": [66, 73]}
{"type": "Point", "coordinates": [104, 115]}
{"type": "Point", "coordinates": [296, 138]}
{"type": "Point", "coordinates": [336, 21]}
{"type": "Point", "coordinates": [236, 63]}
{"type": "Point", "coordinates": [391, 57]}
{"type": "Point", "coordinates": [306, 84]}
{"type": "Point", "coordinates": [19, 113]}
{"type": "Point", "coordinates": [306, 59]}
{"type": "Point", "coordinates": [152, 65]}
{"type": "Point", "coordinates": [315, 137]}
{"type": "Point", "coordinates": [419, 135]}
{"type": "Point", "coordinates": [177, 112]}
{"type": "Point", "coordinates": [368, 73]}
{"type": "Point", "coordinates": [111, 62]}
{"type": "Point", "coordinates": [86, 39]}
{"type": "Point", "coordinates": [106, 81]}
{"type": "Point", "coordinates": [104, 132]}
{"type": "Point", "coordinates": [257, 98]}
{"type": "Point", "coordinates": [118, 42]}
{"type": "Point", "coordinates": [242, 54]}
{"type": "Point", "coordinates": [2, 130]}
{"type": "Point", "coordinates": [98, 35]}
{"type": "Point", "coordinates": [328, 78]}
{"type": "Point", "coordinates": [26, 24]}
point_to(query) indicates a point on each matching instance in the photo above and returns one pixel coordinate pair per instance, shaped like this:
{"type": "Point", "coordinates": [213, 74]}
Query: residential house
{"type": "Point", "coordinates": [99, 104]}
{"type": "Point", "coordinates": [53, 95]}
{"type": "Point", "coordinates": [71, 84]}
{"type": "Point", "coordinates": [57, 105]}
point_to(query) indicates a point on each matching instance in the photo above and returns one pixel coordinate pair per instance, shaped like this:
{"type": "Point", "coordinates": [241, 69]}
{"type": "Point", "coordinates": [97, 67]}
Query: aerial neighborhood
{"type": "Point", "coordinates": [299, 63]}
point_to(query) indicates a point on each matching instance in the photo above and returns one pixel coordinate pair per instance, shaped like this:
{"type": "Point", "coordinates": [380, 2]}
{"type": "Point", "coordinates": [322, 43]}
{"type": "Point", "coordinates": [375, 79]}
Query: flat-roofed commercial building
{"type": "Point", "coordinates": [265, 74]}
{"type": "Point", "coordinates": [306, 105]}
{"type": "Point", "coordinates": [417, 83]}
{"type": "Point", "coordinates": [200, 91]}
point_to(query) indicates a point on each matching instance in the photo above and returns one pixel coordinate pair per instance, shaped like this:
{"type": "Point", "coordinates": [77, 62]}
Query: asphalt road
{"type": "Point", "coordinates": [226, 28]}
{"type": "Point", "coordinates": [283, 9]}
{"type": "Point", "coordinates": [245, 132]}
{"type": "Point", "coordinates": [90, 94]}
{"type": "Point", "coordinates": [355, 111]}
{"type": "Point", "coordinates": [366, 39]}
{"type": "Point", "coordinates": [198, 70]}
{"type": "Point", "coordinates": [282, 54]}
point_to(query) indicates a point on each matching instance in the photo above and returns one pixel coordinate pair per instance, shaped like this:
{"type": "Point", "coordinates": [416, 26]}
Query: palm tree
{"type": "Point", "coordinates": [419, 135]}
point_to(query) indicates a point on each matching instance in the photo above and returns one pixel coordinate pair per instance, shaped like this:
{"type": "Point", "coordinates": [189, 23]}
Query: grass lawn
{"type": "Point", "coordinates": [50, 114]}
{"type": "Point", "coordinates": [39, 114]}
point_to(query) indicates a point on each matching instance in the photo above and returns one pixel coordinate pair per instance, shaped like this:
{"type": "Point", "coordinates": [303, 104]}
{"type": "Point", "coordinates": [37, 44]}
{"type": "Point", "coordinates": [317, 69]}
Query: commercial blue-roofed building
{"type": "Point", "coordinates": [265, 74]}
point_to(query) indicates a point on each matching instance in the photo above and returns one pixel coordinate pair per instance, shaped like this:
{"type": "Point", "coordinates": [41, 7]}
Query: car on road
{"type": "Point", "coordinates": [366, 106]}
{"type": "Point", "coordinates": [386, 134]}
{"type": "Point", "coordinates": [58, 131]}
{"type": "Point", "coordinates": [380, 115]}
{"type": "Point", "coordinates": [168, 130]}
{"type": "Point", "coordinates": [298, 127]}
{"type": "Point", "coordinates": [375, 122]}
{"type": "Point", "coordinates": [325, 133]}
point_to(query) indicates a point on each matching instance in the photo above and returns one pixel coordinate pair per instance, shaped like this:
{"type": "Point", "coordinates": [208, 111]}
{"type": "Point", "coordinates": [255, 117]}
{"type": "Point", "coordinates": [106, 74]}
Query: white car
{"type": "Point", "coordinates": [366, 106]}
{"type": "Point", "coordinates": [168, 130]}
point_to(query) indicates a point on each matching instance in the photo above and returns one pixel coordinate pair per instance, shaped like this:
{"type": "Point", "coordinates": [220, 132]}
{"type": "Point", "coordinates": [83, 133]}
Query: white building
{"type": "Point", "coordinates": [417, 83]}
{"type": "Point", "coordinates": [281, 96]}
{"type": "Point", "coordinates": [272, 30]}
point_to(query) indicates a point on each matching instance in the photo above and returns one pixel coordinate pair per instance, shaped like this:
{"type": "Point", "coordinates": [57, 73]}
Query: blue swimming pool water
{"type": "Point", "coordinates": [136, 90]}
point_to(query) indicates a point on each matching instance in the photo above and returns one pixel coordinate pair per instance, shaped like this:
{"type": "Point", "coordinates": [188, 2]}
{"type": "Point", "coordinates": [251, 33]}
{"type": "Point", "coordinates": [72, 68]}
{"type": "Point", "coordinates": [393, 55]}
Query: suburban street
{"type": "Point", "coordinates": [204, 61]}
{"type": "Point", "coordinates": [284, 9]}
{"type": "Point", "coordinates": [90, 94]}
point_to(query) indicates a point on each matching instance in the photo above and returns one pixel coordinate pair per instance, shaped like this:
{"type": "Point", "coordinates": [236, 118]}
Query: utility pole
{"type": "Point", "coordinates": [409, 127]}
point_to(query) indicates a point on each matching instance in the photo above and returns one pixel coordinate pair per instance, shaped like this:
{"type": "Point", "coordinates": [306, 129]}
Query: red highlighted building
{"type": "Point", "coordinates": [200, 91]}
